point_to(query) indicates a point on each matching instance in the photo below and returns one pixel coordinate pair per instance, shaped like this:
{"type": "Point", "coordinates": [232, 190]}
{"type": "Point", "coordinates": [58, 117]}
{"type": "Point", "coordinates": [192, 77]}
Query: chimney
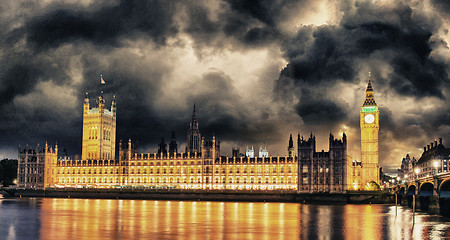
{"type": "Point", "coordinates": [424, 149]}
{"type": "Point", "coordinates": [435, 143]}
{"type": "Point", "coordinates": [431, 145]}
{"type": "Point", "coordinates": [440, 141]}
{"type": "Point", "coordinates": [428, 147]}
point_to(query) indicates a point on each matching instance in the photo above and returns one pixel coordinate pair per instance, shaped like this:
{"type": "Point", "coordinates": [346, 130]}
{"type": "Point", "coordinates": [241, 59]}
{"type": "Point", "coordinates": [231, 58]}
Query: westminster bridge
{"type": "Point", "coordinates": [431, 193]}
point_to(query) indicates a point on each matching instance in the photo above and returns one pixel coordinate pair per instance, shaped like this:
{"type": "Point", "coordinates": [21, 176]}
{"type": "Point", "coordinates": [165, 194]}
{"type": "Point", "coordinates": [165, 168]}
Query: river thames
{"type": "Point", "coordinates": [58, 218]}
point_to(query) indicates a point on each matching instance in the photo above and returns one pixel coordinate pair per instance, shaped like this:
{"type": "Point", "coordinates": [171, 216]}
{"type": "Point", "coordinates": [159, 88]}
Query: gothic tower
{"type": "Point", "coordinates": [369, 123]}
{"type": "Point", "coordinates": [99, 130]}
{"type": "Point", "coordinates": [291, 151]}
{"type": "Point", "coordinates": [173, 145]}
{"type": "Point", "coordinates": [193, 144]}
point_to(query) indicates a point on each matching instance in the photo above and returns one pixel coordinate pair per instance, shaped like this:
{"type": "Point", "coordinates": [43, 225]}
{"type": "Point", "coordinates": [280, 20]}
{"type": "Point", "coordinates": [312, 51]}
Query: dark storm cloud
{"type": "Point", "coordinates": [331, 53]}
{"type": "Point", "coordinates": [220, 111]}
{"type": "Point", "coordinates": [443, 6]}
{"type": "Point", "coordinates": [19, 79]}
{"type": "Point", "coordinates": [324, 55]}
{"type": "Point", "coordinates": [322, 112]}
{"type": "Point", "coordinates": [105, 26]}
{"type": "Point", "coordinates": [239, 24]}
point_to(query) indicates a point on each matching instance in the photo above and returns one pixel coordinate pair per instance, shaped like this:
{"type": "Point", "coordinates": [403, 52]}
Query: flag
{"type": "Point", "coordinates": [101, 79]}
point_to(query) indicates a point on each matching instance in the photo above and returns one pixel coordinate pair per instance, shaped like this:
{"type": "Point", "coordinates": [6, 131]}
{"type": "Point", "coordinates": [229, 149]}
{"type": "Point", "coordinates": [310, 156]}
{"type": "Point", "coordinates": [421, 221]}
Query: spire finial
{"type": "Point", "coordinates": [101, 79]}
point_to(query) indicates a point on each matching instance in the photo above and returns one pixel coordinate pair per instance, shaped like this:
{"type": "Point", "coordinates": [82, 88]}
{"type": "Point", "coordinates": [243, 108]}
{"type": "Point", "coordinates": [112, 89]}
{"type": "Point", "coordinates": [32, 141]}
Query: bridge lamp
{"type": "Point", "coordinates": [405, 177]}
{"type": "Point", "coordinates": [436, 165]}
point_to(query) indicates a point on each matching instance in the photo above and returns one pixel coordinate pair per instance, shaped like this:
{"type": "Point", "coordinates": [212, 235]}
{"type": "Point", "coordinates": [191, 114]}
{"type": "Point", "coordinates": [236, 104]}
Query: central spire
{"type": "Point", "coordinates": [370, 99]}
{"type": "Point", "coordinates": [194, 123]}
{"type": "Point", "coordinates": [193, 137]}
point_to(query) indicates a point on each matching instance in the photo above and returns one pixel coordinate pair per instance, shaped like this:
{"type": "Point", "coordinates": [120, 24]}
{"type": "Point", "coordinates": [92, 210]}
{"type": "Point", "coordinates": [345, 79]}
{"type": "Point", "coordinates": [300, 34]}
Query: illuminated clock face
{"type": "Point", "coordinates": [369, 118]}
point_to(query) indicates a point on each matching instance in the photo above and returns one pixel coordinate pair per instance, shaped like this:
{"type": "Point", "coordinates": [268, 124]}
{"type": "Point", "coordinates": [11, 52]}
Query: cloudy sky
{"type": "Point", "coordinates": [257, 71]}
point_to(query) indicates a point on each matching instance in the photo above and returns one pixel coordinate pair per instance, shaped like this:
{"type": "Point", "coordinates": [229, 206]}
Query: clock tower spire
{"type": "Point", "coordinates": [369, 123]}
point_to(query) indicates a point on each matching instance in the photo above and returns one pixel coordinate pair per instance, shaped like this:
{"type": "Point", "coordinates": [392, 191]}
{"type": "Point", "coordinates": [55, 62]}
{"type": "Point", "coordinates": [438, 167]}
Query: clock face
{"type": "Point", "coordinates": [369, 118]}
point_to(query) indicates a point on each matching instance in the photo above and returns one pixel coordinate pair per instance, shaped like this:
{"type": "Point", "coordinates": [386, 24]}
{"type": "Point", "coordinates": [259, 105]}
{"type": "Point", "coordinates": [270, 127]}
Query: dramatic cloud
{"type": "Point", "coordinates": [257, 71]}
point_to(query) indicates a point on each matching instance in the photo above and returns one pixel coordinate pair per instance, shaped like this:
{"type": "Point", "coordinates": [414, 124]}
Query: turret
{"type": "Point", "coordinates": [173, 145]}
{"type": "Point", "coordinates": [86, 104]}
{"type": "Point", "coordinates": [113, 106]}
{"type": "Point", "coordinates": [129, 149]}
{"type": "Point", "coordinates": [101, 102]}
{"type": "Point", "coordinates": [162, 147]}
{"type": "Point", "coordinates": [291, 152]}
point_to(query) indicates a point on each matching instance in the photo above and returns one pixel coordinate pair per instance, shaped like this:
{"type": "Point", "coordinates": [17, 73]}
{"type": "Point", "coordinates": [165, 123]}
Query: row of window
{"type": "Point", "coordinates": [180, 180]}
{"type": "Point", "coordinates": [321, 180]}
{"type": "Point", "coordinates": [191, 170]}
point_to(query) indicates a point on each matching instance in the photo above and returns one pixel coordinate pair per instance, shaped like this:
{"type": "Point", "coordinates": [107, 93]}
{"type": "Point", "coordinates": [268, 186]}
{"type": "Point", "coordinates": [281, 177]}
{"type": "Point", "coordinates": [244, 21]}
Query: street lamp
{"type": "Point", "coordinates": [417, 171]}
{"type": "Point", "coordinates": [436, 165]}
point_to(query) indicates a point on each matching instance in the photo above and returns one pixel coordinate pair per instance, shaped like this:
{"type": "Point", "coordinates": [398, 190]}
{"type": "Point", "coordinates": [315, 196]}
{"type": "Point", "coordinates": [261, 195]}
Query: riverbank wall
{"type": "Point", "coordinates": [355, 197]}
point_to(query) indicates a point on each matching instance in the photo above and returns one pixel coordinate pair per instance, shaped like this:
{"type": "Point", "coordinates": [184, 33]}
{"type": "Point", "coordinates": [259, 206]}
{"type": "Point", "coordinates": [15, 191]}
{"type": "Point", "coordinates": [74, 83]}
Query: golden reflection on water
{"type": "Point", "coordinates": [137, 219]}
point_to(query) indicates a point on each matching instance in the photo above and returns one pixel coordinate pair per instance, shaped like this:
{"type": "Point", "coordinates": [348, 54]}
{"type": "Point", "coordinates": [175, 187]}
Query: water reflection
{"type": "Point", "coordinates": [135, 219]}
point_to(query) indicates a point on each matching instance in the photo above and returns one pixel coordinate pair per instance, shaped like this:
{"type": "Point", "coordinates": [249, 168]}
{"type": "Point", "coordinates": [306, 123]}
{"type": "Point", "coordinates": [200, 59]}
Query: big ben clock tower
{"type": "Point", "coordinates": [369, 122]}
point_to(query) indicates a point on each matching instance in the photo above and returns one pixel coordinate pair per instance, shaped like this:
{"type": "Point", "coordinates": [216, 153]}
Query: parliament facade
{"type": "Point", "coordinates": [200, 166]}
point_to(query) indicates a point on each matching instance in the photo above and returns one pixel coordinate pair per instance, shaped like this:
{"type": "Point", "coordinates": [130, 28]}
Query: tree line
{"type": "Point", "coordinates": [8, 171]}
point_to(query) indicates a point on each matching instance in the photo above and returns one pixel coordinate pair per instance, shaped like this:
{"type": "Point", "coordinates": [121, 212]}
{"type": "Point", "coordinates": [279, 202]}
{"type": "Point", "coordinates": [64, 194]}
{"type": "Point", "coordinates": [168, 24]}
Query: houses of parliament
{"type": "Point", "coordinates": [201, 165]}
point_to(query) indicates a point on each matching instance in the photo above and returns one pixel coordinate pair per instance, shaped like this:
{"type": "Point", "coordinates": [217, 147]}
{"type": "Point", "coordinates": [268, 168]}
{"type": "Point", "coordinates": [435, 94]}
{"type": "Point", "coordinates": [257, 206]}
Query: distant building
{"type": "Point", "coordinates": [406, 171]}
{"type": "Point", "coordinates": [32, 171]}
{"type": "Point", "coordinates": [322, 171]}
{"type": "Point", "coordinates": [235, 152]}
{"type": "Point", "coordinates": [250, 152]}
{"type": "Point", "coordinates": [263, 152]}
{"type": "Point", "coordinates": [434, 160]}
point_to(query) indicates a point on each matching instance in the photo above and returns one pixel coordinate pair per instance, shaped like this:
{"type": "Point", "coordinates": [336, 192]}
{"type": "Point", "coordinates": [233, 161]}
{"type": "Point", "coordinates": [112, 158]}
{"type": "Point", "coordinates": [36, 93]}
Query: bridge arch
{"type": "Point", "coordinates": [444, 198]}
{"type": "Point", "coordinates": [425, 193]}
{"type": "Point", "coordinates": [409, 194]}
